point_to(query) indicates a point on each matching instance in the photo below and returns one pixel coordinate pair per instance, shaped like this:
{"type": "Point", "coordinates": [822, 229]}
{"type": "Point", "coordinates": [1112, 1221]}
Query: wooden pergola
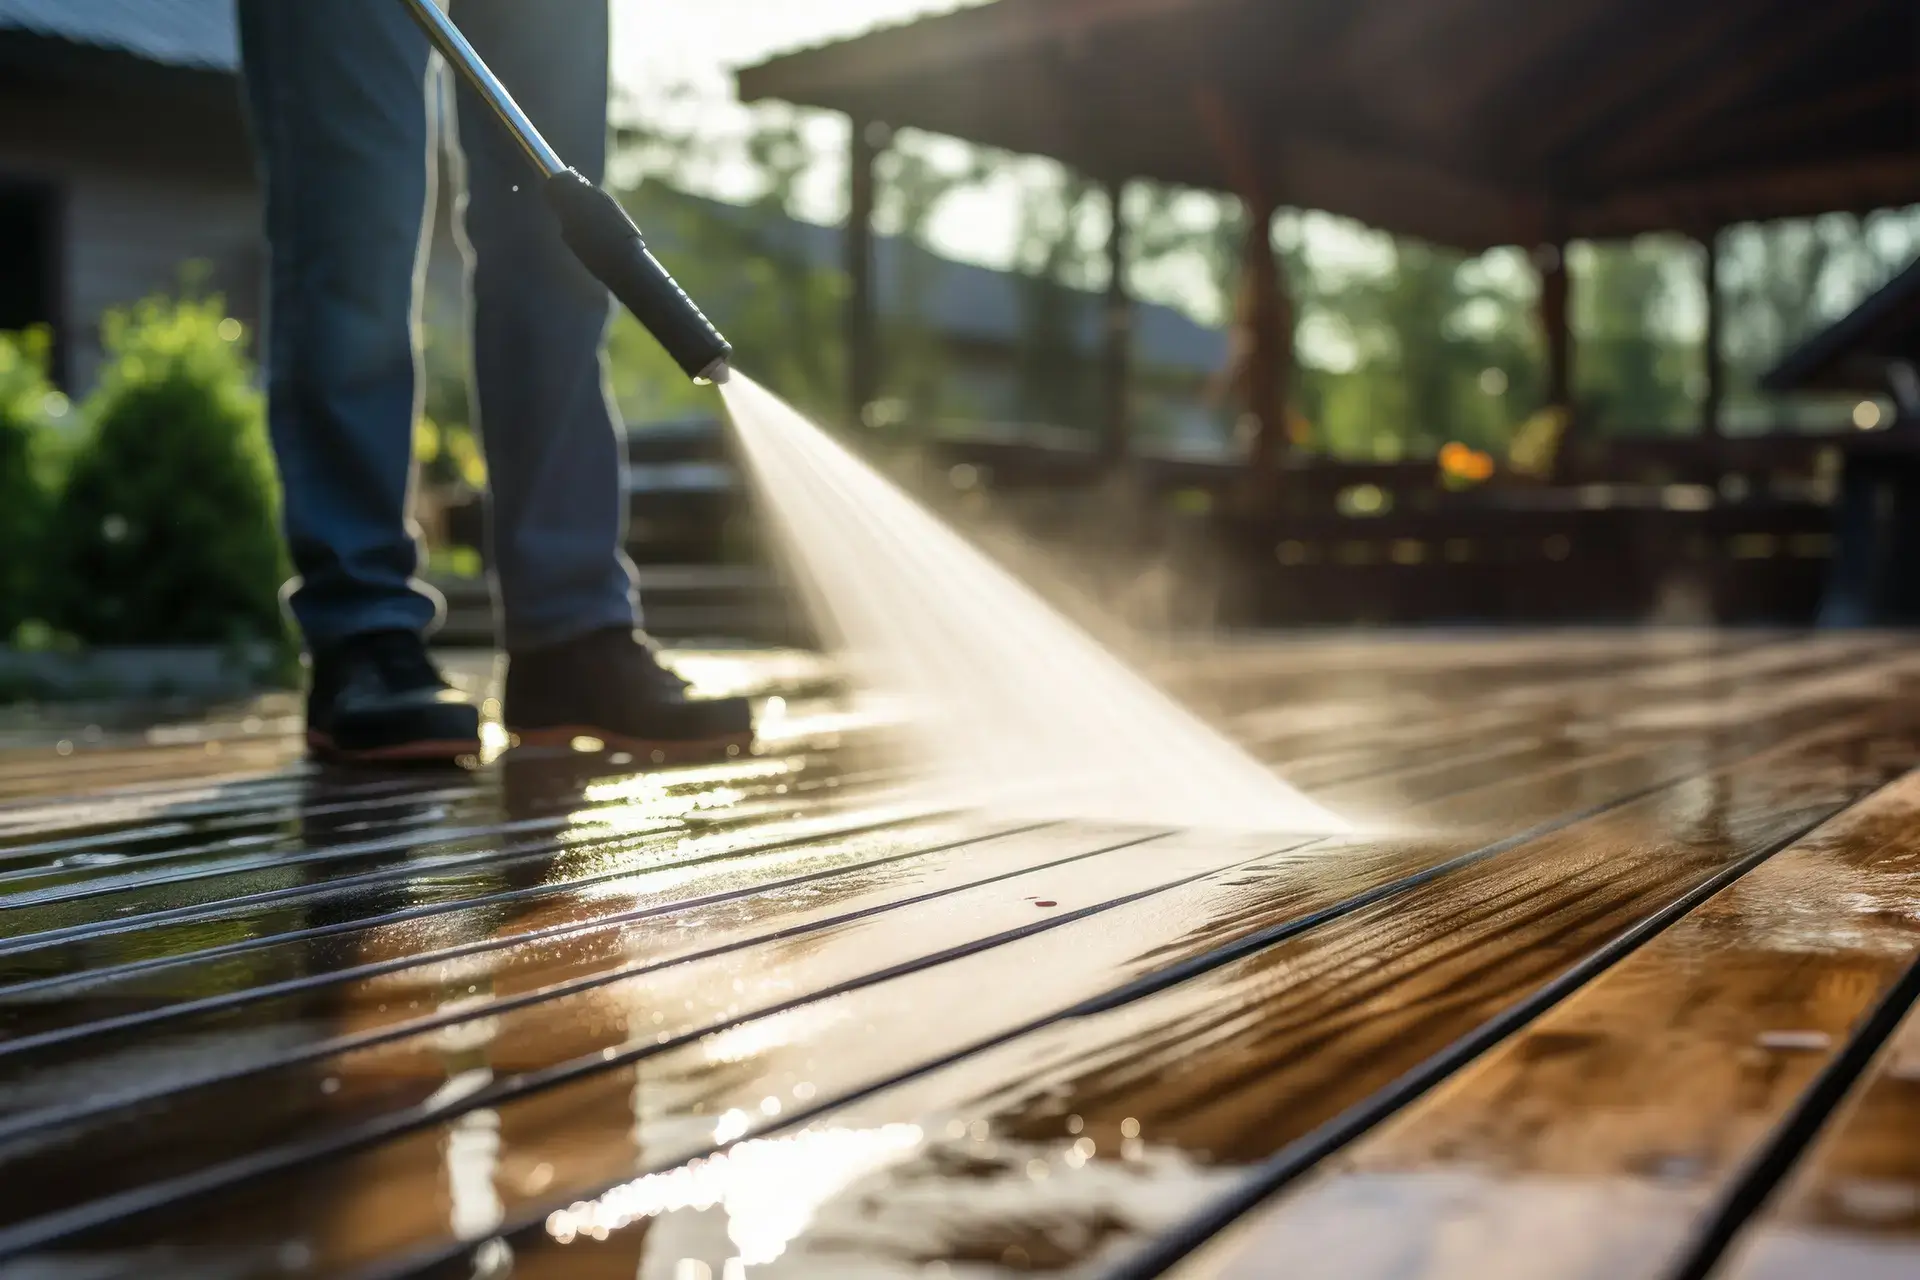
{"type": "Point", "coordinates": [1873, 348]}
{"type": "Point", "coordinates": [1468, 123]}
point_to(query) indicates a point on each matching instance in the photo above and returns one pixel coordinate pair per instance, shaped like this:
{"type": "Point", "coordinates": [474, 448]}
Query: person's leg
{"type": "Point", "coordinates": [340, 119]}
{"type": "Point", "coordinates": [554, 460]}
{"type": "Point", "coordinates": [337, 90]}
{"type": "Point", "coordinates": [1856, 569]}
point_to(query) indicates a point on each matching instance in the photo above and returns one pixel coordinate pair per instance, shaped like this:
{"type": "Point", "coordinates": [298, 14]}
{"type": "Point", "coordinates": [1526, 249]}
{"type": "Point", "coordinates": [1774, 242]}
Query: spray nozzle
{"type": "Point", "coordinates": [607, 243]}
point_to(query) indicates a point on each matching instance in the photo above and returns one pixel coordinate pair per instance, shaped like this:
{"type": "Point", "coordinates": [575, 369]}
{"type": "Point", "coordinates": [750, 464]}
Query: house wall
{"type": "Point", "coordinates": [151, 172]}
{"type": "Point", "coordinates": [154, 171]}
{"type": "Point", "coordinates": [129, 236]}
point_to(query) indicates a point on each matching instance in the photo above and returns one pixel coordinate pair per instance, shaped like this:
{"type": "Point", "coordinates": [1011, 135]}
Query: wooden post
{"type": "Point", "coordinates": [862, 333]}
{"type": "Point", "coordinates": [1552, 261]}
{"type": "Point", "coordinates": [1117, 348]}
{"type": "Point", "coordinates": [1715, 360]}
{"type": "Point", "coordinates": [1270, 340]}
{"type": "Point", "coordinates": [1265, 313]}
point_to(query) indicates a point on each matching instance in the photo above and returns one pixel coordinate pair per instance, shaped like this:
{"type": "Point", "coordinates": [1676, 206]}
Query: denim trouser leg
{"type": "Point", "coordinates": [340, 117]}
{"type": "Point", "coordinates": [1855, 572]}
{"type": "Point", "coordinates": [553, 457]}
{"type": "Point", "coordinates": [337, 89]}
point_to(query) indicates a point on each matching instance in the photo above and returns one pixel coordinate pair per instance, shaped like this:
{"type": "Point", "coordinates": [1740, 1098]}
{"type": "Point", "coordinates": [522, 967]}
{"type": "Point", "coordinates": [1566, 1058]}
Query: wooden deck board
{"type": "Point", "coordinates": [258, 1018]}
{"type": "Point", "coordinates": [1600, 1141]}
{"type": "Point", "coordinates": [1223, 1072]}
{"type": "Point", "coordinates": [1852, 1209]}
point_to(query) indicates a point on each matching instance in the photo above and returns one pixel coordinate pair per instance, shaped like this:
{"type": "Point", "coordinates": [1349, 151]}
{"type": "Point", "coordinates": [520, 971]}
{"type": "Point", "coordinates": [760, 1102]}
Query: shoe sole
{"type": "Point", "coordinates": [659, 752]}
{"type": "Point", "coordinates": [431, 751]}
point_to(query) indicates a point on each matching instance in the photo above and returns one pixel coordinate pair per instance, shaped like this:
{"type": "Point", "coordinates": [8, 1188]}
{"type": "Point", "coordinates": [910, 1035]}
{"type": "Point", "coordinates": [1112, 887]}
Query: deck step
{"type": "Point", "coordinates": [719, 603]}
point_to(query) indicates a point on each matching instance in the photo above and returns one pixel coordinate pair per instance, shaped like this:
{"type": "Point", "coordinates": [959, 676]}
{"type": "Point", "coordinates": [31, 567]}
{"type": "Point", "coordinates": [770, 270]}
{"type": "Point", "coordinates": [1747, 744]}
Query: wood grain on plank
{"type": "Point", "coordinates": [557, 1032]}
{"type": "Point", "coordinates": [1457, 742]}
{"type": "Point", "coordinates": [1083, 1141]}
{"type": "Point", "coordinates": [1851, 1210]}
{"type": "Point", "coordinates": [1593, 1144]}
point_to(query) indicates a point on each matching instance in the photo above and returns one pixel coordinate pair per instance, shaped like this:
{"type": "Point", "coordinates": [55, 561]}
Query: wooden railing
{"type": "Point", "coordinates": [1726, 530]}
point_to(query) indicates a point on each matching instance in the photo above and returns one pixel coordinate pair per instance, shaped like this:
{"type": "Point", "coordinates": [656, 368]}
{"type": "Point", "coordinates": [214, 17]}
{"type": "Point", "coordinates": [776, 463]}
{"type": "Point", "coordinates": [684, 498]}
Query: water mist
{"type": "Point", "coordinates": [1015, 709]}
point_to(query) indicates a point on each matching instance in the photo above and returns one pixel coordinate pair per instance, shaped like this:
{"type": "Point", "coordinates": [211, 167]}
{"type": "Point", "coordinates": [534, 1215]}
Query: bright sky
{"type": "Point", "coordinates": [663, 45]}
{"type": "Point", "coordinates": [700, 41]}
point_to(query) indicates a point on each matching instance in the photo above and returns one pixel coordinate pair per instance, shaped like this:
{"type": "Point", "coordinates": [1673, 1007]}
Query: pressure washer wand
{"type": "Point", "coordinates": [592, 222]}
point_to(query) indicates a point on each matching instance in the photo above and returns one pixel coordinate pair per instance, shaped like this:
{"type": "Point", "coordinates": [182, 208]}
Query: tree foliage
{"type": "Point", "coordinates": [781, 310]}
{"type": "Point", "coordinates": [1054, 256]}
{"type": "Point", "coordinates": [1401, 346]}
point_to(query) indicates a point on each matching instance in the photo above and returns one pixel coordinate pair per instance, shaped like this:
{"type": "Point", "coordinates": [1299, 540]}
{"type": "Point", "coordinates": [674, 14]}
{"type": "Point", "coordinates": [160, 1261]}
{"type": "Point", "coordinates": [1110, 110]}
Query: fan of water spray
{"type": "Point", "coordinates": [1017, 710]}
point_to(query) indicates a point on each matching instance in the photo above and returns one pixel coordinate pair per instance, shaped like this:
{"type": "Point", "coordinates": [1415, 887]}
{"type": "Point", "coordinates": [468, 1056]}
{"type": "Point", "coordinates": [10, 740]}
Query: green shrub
{"type": "Point", "coordinates": [27, 403]}
{"type": "Point", "coordinates": [166, 530]}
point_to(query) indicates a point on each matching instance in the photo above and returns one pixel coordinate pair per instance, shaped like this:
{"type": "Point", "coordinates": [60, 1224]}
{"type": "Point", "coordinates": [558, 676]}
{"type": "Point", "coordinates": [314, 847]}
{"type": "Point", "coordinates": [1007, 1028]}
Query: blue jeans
{"type": "Point", "coordinates": [337, 90]}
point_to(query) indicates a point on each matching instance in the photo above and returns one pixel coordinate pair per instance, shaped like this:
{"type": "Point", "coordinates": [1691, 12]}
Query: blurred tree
{"type": "Point", "coordinates": [1441, 349]}
{"type": "Point", "coordinates": [779, 307]}
{"type": "Point", "coordinates": [1054, 373]}
{"type": "Point", "coordinates": [1782, 281]}
{"type": "Point", "coordinates": [1635, 370]}
{"type": "Point", "coordinates": [1401, 346]}
{"type": "Point", "coordinates": [913, 180]}
{"type": "Point", "coordinates": [165, 531]}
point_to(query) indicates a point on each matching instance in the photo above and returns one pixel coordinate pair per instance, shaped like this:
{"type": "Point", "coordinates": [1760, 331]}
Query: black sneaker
{"type": "Point", "coordinates": [377, 698]}
{"type": "Point", "coordinates": [608, 685]}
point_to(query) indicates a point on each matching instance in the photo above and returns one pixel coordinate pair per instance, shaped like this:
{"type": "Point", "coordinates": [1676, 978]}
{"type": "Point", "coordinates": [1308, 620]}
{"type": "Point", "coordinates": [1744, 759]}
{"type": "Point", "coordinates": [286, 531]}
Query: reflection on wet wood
{"type": "Point", "coordinates": [776, 1020]}
{"type": "Point", "coordinates": [1852, 1210]}
{"type": "Point", "coordinates": [1596, 1142]}
{"type": "Point", "coordinates": [1230, 1067]}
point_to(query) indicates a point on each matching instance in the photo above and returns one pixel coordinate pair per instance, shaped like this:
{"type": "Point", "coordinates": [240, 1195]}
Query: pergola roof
{"type": "Point", "coordinates": [1465, 122]}
{"type": "Point", "coordinates": [200, 34]}
{"type": "Point", "coordinates": [1854, 352]}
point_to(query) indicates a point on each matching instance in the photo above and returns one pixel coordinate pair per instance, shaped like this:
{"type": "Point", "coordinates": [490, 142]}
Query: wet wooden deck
{"type": "Point", "coordinates": [1623, 988]}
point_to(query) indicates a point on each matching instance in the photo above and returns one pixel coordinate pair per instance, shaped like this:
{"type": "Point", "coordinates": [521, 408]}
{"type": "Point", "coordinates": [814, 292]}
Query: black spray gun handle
{"type": "Point", "coordinates": [592, 222]}
{"type": "Point", "coordinates": [607, 243]}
